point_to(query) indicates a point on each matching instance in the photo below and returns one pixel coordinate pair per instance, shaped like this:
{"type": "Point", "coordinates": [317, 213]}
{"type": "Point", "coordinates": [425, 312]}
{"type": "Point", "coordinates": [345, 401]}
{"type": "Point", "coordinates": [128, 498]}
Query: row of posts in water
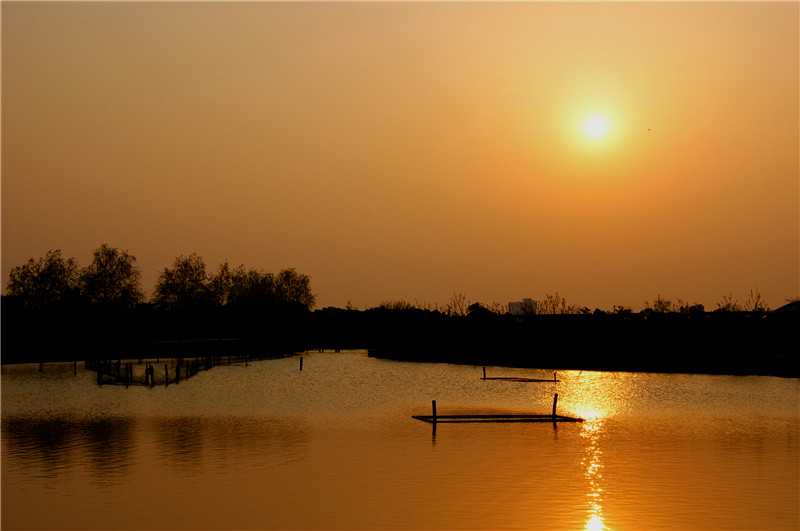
{"type": "Point", "coordinates": [119, 373]}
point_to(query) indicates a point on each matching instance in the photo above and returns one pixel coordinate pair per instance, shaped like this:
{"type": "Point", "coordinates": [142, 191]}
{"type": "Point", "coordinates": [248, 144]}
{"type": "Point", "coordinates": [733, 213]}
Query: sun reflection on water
{"type": "Point", "coordinates": [598, 397]}
{"type": "Point", "coordinates": [591, 432]}
{"type": "Point", "coordinates": [595, 523]}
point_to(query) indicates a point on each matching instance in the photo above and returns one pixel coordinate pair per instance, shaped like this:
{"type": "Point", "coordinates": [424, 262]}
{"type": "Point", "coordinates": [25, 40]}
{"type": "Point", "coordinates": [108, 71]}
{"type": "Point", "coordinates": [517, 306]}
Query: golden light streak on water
{"type": "Point", "coordinates": [591, 433]}
{"type": "Point", "coordinates": [595, 523]}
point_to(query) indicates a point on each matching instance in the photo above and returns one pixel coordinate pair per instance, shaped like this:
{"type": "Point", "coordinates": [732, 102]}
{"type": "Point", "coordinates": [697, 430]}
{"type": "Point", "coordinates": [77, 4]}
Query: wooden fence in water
{"type": "Point", "coordinates": [160, 371]}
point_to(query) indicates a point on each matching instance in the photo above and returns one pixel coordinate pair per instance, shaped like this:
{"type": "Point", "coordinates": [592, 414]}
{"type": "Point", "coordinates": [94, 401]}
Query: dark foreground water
{"type": "Point", "coordinates": [334, 447]}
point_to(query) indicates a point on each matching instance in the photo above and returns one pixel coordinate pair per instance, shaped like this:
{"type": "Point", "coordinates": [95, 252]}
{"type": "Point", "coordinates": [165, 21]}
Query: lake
{"type": "Point", "coordinates": [268, 446]}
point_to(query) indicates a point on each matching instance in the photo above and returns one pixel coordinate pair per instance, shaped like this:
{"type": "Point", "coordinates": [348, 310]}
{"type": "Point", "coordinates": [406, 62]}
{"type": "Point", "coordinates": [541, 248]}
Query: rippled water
{"type": "Point", "coordinates": [334, 446]}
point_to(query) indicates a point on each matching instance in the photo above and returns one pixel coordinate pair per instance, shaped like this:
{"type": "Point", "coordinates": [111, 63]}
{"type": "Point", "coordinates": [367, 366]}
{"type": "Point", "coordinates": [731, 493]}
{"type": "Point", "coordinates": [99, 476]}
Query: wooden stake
{"type": "Point", "coordinates": [301, 363]}
{"type": "Point", "coordinates": [433, 403]}
{"type": "Point", "coordinates": [484, 373]}
{"type": "Point", "coordinates": [555, 401]}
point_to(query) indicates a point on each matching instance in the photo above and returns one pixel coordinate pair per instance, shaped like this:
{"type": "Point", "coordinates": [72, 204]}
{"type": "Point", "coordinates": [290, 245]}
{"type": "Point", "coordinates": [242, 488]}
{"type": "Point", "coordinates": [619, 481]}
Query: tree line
{"type": "Point", "coordinates": [57, 310]}
{"type": "Point", "coordinates": [112, 283]}
{"type": "Point", "coordinates": [554, 304]}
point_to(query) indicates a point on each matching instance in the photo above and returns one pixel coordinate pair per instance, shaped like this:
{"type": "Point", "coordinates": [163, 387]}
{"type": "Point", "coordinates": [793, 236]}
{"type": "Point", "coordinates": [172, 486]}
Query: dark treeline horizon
{"type": "Point", "coordinates": [57, 311]}
{"type": "Point", "coordinates": [112, 282]}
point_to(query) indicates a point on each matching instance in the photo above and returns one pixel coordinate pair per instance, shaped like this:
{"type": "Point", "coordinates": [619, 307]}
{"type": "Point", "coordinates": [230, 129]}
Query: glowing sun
{"type": "Point", "coordinates": [595, 127]}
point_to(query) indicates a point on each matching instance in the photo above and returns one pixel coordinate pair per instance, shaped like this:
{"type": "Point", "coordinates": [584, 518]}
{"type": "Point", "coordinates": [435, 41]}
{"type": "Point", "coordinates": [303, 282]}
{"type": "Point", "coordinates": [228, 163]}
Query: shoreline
{"type": "Point", "coordinates": [781, 366]}
{"type": "Point", "coordinates": [709, 343]}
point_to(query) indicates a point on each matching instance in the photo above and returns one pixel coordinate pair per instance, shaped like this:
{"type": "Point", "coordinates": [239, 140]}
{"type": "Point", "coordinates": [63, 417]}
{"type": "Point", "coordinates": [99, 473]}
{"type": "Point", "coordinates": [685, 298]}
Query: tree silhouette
{"type": "Point", "coordinates": [183, 286]}
{"type": "Point", "coordinates": [186, 285]}
{"type": "Point", "coordinates": [728, 304]}
{"type": "Point", "coordinates": [294, 287]}
{"type": "Point", "coordinates": [755, 303]}
{"type": "Point", "coordinates": [112, 281]}
{"type": "Point", "coordinates": [556, 305]}
{"type": "Point", "coordinates": [457, 305]}
{"type": "Point", "coordinates": [660, 305]}
{"type": "Point", "coordinates": [251, 288]}
{"type": "Point", "coordinates": [51, 281]}
{"type": "Point", "coordinates": [398, 305]}
{"type": "Point", "coordinates": [220, 285]}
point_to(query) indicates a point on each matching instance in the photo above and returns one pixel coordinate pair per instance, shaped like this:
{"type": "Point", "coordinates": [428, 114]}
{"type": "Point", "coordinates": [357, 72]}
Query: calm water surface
{"type": "Point", "coordinates": [334, 447]}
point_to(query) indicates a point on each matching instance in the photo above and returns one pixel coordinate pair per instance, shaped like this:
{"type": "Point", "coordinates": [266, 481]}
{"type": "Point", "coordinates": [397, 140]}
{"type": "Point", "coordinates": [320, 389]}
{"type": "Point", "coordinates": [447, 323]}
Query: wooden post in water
{"type": "Point", "coordinates": [484, 373]}
{"type": "Point", "coordinates": [555, 401]}
{"type": "Point", "coordinates": [301, 363]}
{"type": "Point", "coordinates": [433, 404]}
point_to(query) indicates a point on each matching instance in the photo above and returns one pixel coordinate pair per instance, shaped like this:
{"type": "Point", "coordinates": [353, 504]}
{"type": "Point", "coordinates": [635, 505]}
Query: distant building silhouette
{"type": "Point", "coordinates": [524, 307]}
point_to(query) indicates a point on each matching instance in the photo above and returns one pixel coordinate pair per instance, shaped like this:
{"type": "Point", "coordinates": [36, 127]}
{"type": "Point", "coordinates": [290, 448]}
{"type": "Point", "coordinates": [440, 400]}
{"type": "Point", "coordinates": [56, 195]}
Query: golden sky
{"type": "Point", "coordinates": [413, 150]}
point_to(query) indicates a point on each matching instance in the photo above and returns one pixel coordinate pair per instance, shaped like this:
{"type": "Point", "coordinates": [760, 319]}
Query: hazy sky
{"type": "Point", "coordinates": [413, 150]}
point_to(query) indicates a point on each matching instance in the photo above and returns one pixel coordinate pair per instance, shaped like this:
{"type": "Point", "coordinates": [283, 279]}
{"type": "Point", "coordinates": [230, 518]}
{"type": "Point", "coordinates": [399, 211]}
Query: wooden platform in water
{"type": "Point", "coordinates": [495, 418]}
{"type": "Point", "coordinates": [518, 378]}
{"type": "Point", "coordinates": [435, 418]}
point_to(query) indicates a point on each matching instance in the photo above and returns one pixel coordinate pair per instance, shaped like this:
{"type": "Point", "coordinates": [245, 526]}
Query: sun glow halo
{"type": "Point", "coordinates": [595, 127]}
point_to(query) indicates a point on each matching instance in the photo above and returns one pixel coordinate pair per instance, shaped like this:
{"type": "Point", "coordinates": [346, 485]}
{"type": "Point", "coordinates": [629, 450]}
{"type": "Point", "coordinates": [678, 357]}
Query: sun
{"type": "Point", "coordinates": [595, 127]}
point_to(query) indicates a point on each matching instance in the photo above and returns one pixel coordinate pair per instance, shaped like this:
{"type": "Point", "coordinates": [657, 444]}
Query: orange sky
{"type": "Point", "coordinates": [413, 150]}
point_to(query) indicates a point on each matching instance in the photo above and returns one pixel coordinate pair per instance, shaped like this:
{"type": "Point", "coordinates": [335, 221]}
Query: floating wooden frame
{"type": "Point", "coordinates": [507, 417]}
